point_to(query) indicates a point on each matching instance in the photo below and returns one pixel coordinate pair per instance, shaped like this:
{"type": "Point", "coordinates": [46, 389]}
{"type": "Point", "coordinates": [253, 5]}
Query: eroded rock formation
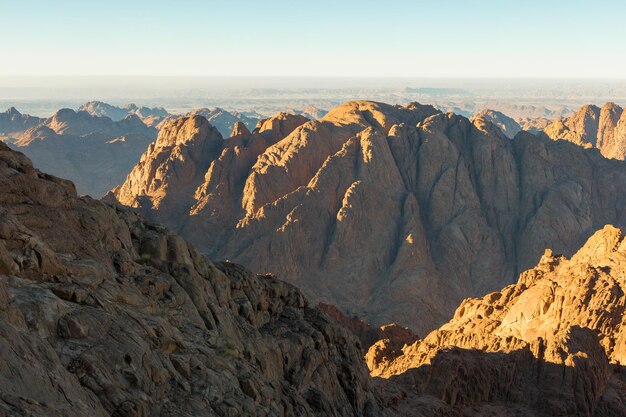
{"type": "Point", "coordinates": [554, 344]}
{"type": "Point", "coordinates": [393, 213]}
{"type": "Point", "coordinates": [603, 128]}
{"type": "Point", "coordinates": [103, 314]}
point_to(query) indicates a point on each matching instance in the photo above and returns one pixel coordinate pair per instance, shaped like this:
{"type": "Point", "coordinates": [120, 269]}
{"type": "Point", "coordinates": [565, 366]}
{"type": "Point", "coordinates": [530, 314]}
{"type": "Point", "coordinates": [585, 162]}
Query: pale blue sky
{"type": "Point", "coordinates": [454, 38]}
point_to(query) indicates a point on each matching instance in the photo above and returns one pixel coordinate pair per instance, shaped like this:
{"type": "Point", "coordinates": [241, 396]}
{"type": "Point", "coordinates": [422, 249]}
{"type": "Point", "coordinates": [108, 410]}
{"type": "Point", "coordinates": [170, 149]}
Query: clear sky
{"type": "Point", "coordinates": [453, 38]}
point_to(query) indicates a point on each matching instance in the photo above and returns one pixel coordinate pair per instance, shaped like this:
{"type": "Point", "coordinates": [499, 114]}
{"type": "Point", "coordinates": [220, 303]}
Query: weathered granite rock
{"type": "Point", "coordinates": [550, 345]}
{"type": "Point", "coordinates": [103, 314]}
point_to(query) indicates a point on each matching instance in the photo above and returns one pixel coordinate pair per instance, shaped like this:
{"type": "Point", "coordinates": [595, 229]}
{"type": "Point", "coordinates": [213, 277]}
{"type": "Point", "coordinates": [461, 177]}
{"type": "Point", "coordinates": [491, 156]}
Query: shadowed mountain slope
{"type": "Point", "coordinates": [103, 314]}
{"type": "Point", "coordinates": [391, 213]}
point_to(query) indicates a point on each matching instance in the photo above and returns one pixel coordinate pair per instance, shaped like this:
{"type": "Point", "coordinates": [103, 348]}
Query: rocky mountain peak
{"type": "Point", "coordinates": [13, 113]}
{"type": "Point", "coordinates": [187, 130]}
{"type": "Point", "coordinates": [280, 125]}
{"type": "Point", "coordinates": [592, 126]}
{"type": "Point", "coordinates": [508, 126]}
{"type": "Point", "coordinates": [240, 129]}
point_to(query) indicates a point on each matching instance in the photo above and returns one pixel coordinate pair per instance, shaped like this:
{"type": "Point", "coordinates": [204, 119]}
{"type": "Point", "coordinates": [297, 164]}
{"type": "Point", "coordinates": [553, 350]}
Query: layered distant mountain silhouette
{"type": "Point", "coordinates": [391, 213]}
{"type": "Point", "coordinates": [95, 152]}
{"type": "Point", "coordinates": [225, 121]}
{"type": "Point", "coordinates": [150, 116]}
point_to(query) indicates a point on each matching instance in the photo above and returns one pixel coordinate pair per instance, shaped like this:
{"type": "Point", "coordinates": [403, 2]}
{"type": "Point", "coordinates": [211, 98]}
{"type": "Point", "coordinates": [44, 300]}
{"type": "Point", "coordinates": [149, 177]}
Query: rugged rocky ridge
{"type": "Point", "coordinates": [95, 152]}
{"type": "Point", "coordinates": [103, 314]}
{"type": "Point", "coordinates": [553, 344]}
{"type": "Point", "coordinates": [508, 126]}
{"type": "Point", "coordinates": [396, 213]}
{"type": "Point", "coordinates": [12, 122]}
{"type": "Point", "coordinates": [603, 128]}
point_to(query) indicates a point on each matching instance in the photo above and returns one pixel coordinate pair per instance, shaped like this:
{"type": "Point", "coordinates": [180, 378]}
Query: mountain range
{"type": "Point", "coordinates": [390, 213]}
{"type": "Point", "coordinates": [105, 314]}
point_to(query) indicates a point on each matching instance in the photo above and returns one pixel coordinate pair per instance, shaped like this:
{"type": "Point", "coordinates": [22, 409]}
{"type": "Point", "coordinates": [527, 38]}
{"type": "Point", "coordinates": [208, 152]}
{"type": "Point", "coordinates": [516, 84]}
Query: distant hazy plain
{"type": "Point", "coordinates": [42, 96]}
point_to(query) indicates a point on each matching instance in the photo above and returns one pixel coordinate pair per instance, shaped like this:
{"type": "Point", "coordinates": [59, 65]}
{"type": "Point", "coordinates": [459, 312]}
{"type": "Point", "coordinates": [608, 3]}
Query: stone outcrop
{"type": "Point", "coordinates": [96, 153]}
{"type": "Point", "coordinates": [508, 126]}
{"type": "Point", "coordinates": [395, 213]}
{"type": "Point", "coordinates": [103, 314]}
{"type": "Point", "coordinates": [554, 344]}
{"type": "Point", "coordinates": [602, 128]}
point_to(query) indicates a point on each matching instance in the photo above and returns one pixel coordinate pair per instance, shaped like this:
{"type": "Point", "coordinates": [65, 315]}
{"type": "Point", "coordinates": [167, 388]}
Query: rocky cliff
{"type": "Point", "coordinates": [103, 314]}
{"type": "Point", "coordinates": [95, 152]}
{"type": "Point", "coordinates": [554, 344]}
{"type": "Point", "coordinates": [390, 213]}
{"type": "Point", "coordinates": [603, 128]}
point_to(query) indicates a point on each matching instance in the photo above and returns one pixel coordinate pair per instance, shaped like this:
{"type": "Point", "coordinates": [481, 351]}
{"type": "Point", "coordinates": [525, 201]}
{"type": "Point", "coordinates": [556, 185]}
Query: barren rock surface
{"type": "Point", "coordinates": [551, 345]}
{"type": "Point", "coordinates": [392, 213]}
{"type": "Point", "coordinates": [603, 128]}
{"type": "Point", "coordinates": [103, 314]}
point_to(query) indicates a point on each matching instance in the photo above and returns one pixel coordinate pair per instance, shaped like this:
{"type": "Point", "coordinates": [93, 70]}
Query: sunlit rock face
{"type": "Point", "coordinates": [602, 128]}
{"type": "Point", "coordinates": [390, 213]}
{"type": "Point", "coordinates": [552, 344]}
{"type": "Point", "coordinates": [104, 314]}
{"type": "Point", "coordinates": [508, 126]}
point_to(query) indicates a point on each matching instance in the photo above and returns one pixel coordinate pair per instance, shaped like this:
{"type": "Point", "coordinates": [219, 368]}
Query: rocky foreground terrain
{"type": "Point", "coordinates": [390, 213]}
{"type": "Point", "coordinates": [554, 344]}
{"type": "Point", "coordinates": [103, 314]}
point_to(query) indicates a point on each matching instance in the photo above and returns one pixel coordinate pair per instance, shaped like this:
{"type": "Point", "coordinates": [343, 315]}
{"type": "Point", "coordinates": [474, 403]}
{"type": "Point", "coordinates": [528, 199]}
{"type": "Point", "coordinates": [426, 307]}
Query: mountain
{"type": "Point", "coordinates": [94, 152]}
{"type": "Point", "coordinates": [103, 314]}
{"type": "Point", "coordinates": [225, 121]}
{"type": "Point", "coordinates": [508, 126]}
{"type": "Point", "coordinates": [150, 116]}
{"type": "Point", "coordinates": [12, 122]}
{"type": "Point", "coordinates": [554, 344]}
{"type": "Point", "coordinates": [603, 128]}
{"type": "Point", "coordinates": [390, 213]}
